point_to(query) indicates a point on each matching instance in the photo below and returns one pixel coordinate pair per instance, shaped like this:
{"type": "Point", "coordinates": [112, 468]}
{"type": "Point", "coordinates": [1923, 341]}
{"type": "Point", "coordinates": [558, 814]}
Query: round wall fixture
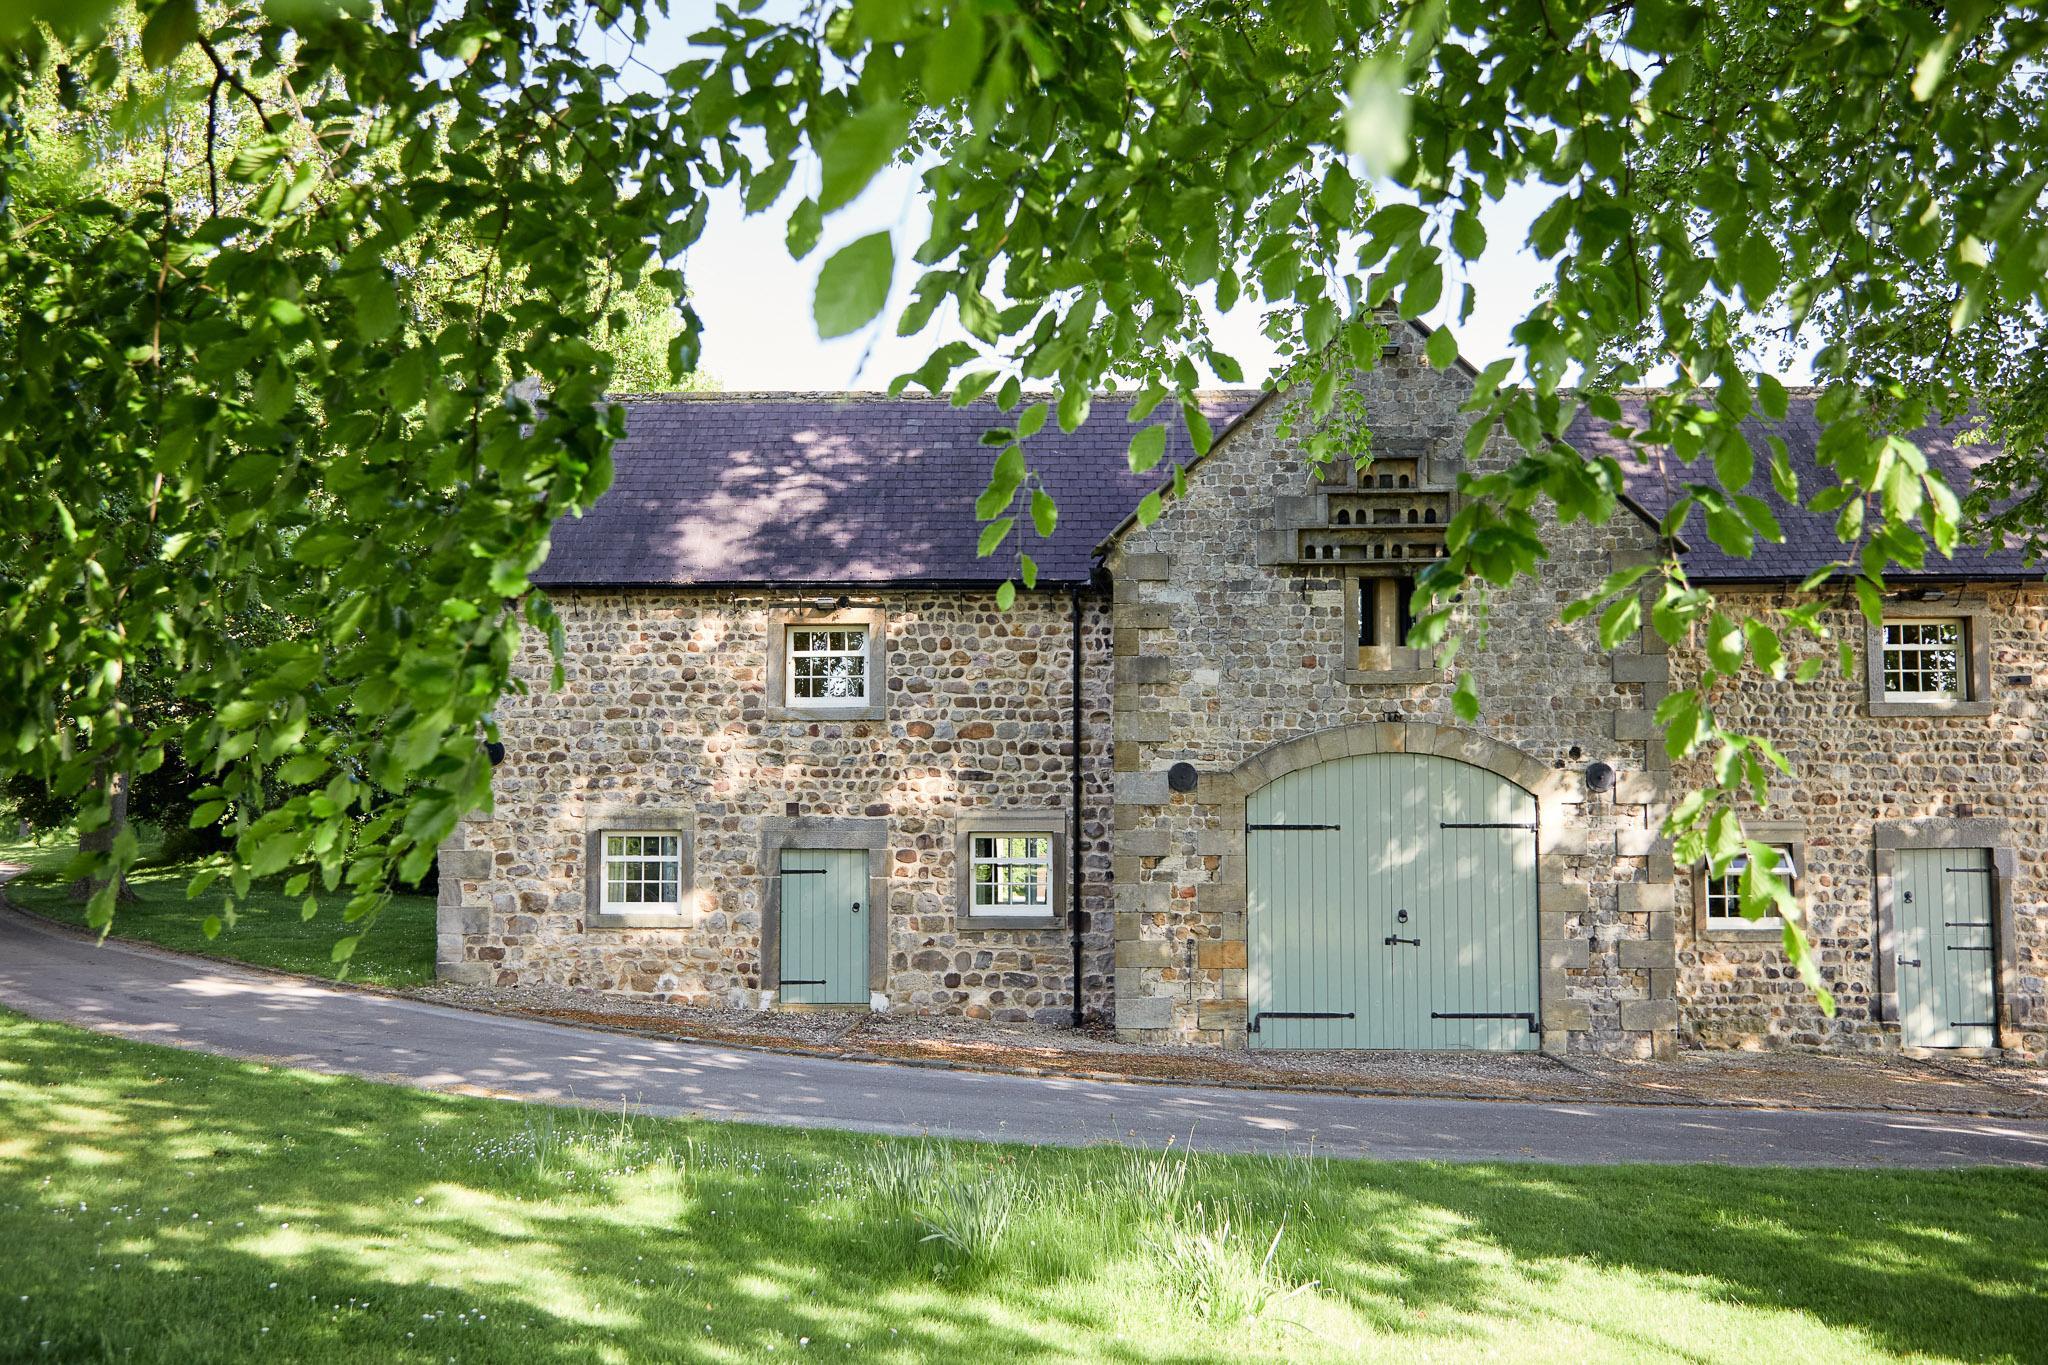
{"type": "Point", "coordinates": [1600, 777]}
{"type": "Point", "coordinates": [1182, 777]}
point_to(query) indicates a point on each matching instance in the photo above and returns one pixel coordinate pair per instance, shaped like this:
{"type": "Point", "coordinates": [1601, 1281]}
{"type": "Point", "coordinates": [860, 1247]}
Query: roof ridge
{"type": "Point", "coordinates": [877, 396]}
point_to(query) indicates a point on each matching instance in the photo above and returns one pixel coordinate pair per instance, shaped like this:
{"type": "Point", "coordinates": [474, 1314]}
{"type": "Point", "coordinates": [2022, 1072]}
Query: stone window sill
{"type": "Point", "coordinates": [1880, 709]}
{"type": "Point", "coordinates": [1743, 933]}
{"type": "Point", "coordinates": [975, 924]}
{"type": "Point", "coordinates": [1395, 677]}
{"type": "Point", "coordinates": [636, 919]}
{"type": "Point", "coordinates": [827, 715]}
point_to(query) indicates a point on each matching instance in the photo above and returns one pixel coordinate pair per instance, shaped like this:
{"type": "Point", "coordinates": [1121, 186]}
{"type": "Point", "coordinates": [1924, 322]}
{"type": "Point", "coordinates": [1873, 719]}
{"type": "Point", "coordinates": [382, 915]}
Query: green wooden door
{"type": "Point", "coordinates": [824, 926]}
{"type": "Point", "coordinates": [1942, 907]}
{"type": "Point", "coordinates": [1391, 903]}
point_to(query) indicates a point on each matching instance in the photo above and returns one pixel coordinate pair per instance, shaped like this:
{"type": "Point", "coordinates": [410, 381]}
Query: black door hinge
{"type": "Point", "coordinates": [1253, 1026]}
{"type": "Point", "coordinates": [1525, 1016]}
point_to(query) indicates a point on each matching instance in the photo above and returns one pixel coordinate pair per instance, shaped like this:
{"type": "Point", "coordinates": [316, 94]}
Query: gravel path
{"type": "Point", "coordinates": [1779, 1079]}
{"type": "Point", "coordinates": [187, 1002]}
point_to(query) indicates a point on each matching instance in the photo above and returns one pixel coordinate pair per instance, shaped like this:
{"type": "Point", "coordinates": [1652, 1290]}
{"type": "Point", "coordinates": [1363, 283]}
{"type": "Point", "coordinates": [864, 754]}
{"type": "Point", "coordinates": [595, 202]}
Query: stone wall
{"type": "Point", "coordinates": [1850, 772]}
{"type": "Point", "coordinates": [1221, 659]}
{"type": "Point", "coordinates": [665, 709]}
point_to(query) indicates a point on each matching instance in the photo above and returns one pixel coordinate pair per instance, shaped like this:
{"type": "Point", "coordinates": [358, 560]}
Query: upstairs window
{"type": "Point", "coordinates": [1384, 616]}
{"type": "Point", "coordinates": [1924, 661]}
{"type": "Point", "coordinates": [828, 666]}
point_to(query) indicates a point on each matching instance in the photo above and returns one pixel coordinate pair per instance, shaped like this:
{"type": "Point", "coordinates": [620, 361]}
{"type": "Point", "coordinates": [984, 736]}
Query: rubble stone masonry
{"type": "Point", "coordinates": [665, 711]}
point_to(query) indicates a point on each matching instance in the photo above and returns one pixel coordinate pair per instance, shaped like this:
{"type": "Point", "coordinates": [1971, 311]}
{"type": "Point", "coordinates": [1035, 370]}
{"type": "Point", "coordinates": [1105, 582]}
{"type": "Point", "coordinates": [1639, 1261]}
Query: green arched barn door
{"type": "Point", "coordinates": [1391, 903]}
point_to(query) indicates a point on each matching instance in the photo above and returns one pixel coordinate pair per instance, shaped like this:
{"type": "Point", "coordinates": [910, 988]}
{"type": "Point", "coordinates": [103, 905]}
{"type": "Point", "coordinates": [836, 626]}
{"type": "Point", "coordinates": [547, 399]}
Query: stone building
{"type": "Point", "coordinates": [1195, 785]}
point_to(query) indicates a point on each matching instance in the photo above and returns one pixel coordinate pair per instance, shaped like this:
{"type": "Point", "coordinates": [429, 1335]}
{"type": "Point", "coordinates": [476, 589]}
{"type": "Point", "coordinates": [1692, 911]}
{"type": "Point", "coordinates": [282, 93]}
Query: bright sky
{"type": "Point", "coordinates": [756, 302]}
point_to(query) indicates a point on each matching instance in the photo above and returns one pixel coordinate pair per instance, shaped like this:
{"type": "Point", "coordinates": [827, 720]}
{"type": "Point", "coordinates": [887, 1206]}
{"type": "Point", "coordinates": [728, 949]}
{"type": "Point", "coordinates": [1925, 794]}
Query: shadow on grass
{"type": "Point", "coordinates": [269, 929]}
{"type": "Point", "coordinates": [161, 1205]}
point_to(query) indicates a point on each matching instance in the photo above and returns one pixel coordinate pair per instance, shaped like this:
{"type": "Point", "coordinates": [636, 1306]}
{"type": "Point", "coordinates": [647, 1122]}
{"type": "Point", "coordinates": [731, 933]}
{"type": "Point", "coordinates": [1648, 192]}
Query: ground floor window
{"type": "Point", "coordinates": [642, 871]}
{"type": "Point", "coordinates": [1011, 869]}
{"type": "Point", "coordinates": [1012, 874]}
{"type": "Point", "coordinates": [1724, 893]}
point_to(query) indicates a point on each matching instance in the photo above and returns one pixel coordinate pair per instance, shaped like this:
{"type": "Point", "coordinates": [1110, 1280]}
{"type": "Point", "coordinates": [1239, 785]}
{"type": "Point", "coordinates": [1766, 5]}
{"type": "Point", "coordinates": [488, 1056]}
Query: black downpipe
{"type": "Point", "coordinates": [1075, 916]}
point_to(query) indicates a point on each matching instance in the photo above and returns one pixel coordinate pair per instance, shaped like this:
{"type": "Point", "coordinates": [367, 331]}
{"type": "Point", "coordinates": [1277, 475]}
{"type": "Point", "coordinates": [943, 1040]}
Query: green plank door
{"type": "Point", "coordinates": [1372, 905]}
{"type": "Point", "coordinates": [1945, 947]}
{"type": "Point", "coordinates": [1307, 917]}
{"type": "Point", "coordinates": [824, 926]}
{"type": "Point", "coordinates": [1478, 922]}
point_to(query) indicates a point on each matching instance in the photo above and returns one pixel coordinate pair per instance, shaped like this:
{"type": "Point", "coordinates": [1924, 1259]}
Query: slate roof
{"type": "Point", "coordinates": [824, 490]}
{"type": "Point", "coordinates": [827, 489]}
{"type": "Point", "coordinates": [1656, 482]}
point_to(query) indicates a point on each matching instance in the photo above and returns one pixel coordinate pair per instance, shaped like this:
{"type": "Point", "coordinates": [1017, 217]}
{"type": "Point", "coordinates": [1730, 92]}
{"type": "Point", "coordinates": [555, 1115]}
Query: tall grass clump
{"type": "Point", "coordinates": [1211, 1260]}
{"type": "Point", "coordinates": [1152, 1184]}
{"type": "Point", "coordinates": [966, 1214]}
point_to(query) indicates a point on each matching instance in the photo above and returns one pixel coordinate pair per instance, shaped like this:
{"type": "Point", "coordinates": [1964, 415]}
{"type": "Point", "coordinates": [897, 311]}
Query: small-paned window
{"type": "Point", "coordinates": [1012, 874]}
{"type": "Point", "coordinates": [1923, 661]}
{"type": "Point", "coordinates": [642, 871]}
{"type": "Point", "coordinates": [1724, 894]}
{"type": "Point", "coordinates": [828, 666]}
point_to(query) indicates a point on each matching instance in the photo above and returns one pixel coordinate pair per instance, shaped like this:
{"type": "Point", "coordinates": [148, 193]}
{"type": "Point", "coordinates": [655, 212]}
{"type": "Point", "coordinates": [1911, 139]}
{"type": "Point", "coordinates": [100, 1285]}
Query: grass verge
{"type": "Point", "coordinates": [161, 1205]}
{"type": "Point", "coordinates": [268, 930]}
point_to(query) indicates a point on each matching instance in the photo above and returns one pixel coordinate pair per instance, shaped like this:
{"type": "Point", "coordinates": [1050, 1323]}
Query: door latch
{"type": "Point", "coordinates": [856, 907]}
{"type": "Point", "coordinates": [1909, 962]}
{"type": "Point", "coordinates": [1393, 939]}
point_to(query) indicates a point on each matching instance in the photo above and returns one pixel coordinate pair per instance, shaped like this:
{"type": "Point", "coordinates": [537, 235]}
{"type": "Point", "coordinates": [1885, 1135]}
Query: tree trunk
{"type": "Point", "coordinates": [102, 839]}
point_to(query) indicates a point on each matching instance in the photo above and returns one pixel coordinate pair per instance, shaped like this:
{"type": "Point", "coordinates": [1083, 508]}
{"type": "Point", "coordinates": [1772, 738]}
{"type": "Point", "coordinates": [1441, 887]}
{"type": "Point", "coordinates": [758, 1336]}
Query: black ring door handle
{"type": "Point", "coordinates": [856, 907]}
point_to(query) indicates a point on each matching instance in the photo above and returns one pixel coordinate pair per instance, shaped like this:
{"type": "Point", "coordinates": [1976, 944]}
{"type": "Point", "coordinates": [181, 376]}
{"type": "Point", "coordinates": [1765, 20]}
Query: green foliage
{"type": "Point", "coordinates": [287, 370]}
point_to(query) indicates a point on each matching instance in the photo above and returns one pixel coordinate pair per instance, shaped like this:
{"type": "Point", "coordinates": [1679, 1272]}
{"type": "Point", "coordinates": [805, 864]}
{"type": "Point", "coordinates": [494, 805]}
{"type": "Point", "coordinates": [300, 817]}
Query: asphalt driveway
{"type": "Point", "coordinates": [179, 1001]}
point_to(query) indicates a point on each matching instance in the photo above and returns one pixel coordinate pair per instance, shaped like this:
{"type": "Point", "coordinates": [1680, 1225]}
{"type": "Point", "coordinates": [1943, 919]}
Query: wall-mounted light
{"type": "Point", "coordinates": [1182, 777]}
{"type": "Point", "coordinates": [1601, 777]}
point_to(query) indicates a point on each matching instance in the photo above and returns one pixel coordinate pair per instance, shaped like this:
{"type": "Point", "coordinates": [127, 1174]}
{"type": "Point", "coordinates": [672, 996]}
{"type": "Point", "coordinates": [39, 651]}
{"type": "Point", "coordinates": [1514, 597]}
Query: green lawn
{"type": "Point", "coordinates": [268, 930]}
{"type": "Point", "coordinates": [164, 1206]}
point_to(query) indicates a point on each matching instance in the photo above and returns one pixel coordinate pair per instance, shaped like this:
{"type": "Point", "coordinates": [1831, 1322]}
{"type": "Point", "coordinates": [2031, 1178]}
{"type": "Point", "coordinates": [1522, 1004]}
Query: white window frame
{"type": "Point", "coordinates": [858, 652]}
{"type": "Point", "coordinates": [1958, 650]}
{"type": "Point", "coordinates": [1002, 861]}
{"type": "Point", "coordinates": [669, 851]}
{"type": "Point", "coordinates": [1726, 891]}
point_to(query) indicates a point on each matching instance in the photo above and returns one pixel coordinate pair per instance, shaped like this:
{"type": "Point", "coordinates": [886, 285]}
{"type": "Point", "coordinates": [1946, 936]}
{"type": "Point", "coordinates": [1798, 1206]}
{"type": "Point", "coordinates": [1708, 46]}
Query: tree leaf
{"type": "Point", "coordinates": [856, 150]}
{"type": "Point", "coordinates": [1441, 348]}
{"type": "Point", "coordinates": [805, 223]}
{"type": "Point", "coordinates": [169, 31]}
{"type": "Point", "coordinates": [1376, 120]}
{"type": "Point", "coordinates": [993, 535]}
{"type": "Point", "coordinates": [854, 285]}
{"type": "Point", "coordinates": [1045, 514]}
{"type": "Point", "coordinates": [1148, 446]}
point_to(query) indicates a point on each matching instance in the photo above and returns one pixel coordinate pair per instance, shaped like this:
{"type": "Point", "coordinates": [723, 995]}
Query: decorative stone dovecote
{"type": "Point", "coordinates": [1388, 518]}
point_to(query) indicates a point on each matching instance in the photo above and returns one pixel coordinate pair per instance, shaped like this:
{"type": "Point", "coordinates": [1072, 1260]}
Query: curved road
{"type": "Point", "coordinates": [186, 1002]}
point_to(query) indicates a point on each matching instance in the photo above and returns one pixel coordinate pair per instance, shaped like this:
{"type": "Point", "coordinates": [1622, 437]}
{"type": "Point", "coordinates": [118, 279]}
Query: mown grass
{"type": "Point", "coordinates": [164, 1206]}
{"type": "Point", "coordinates": [268, 928]}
